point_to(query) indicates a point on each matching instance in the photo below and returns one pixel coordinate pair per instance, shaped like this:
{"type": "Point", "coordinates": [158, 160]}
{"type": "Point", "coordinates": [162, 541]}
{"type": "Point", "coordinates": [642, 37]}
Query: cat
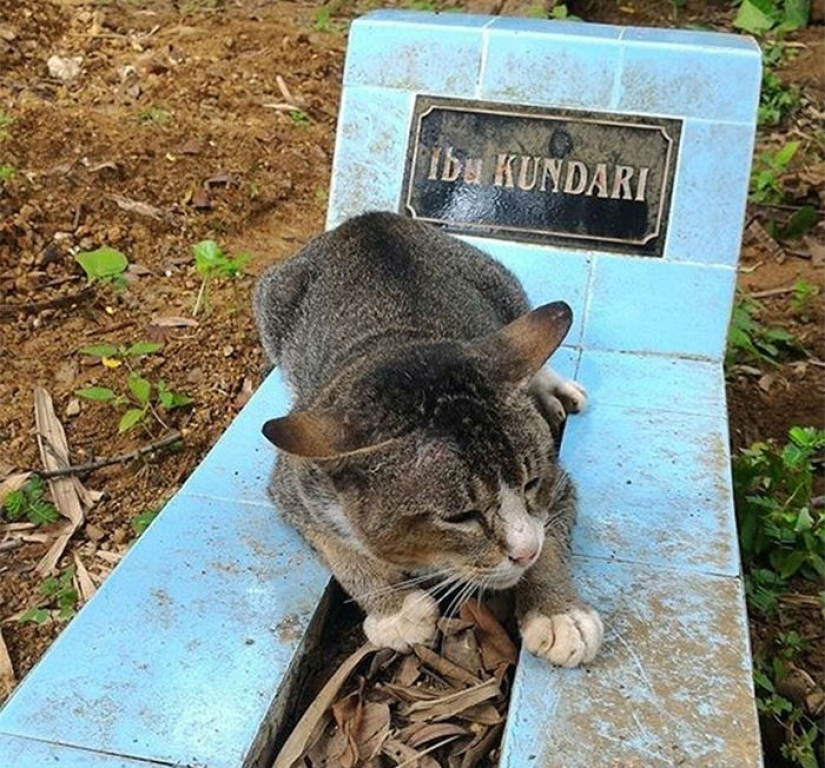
{"type": "Point", "coordinates": [418, 459]}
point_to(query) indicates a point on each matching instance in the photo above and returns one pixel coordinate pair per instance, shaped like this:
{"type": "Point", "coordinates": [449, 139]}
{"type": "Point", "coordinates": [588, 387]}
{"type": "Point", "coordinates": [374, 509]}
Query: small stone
{"type": "Point", "coordinates": [73, 408]}
{"type": "Point", "coordinates": [65, 69]}
{"type": "Point", "coordinates": [93, 532]}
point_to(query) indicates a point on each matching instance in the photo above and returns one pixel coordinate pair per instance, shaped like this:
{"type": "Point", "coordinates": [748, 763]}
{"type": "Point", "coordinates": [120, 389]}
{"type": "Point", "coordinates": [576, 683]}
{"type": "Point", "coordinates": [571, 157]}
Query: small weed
{"type": "Point", "coordinates": [801, 221]}
{"type": "Point", "coordinates": [776, 100]}
{"type": "Point", "coordinates": [299, 117]}
{"type": "Point", "coordinates": [750, 341]}
{"type": "Point", "coordinates": [139, 401]}
{"type": "Point", "coordinates": [323, 20]}
{"type": "Point", "coordinates": [5, 121]}
{"type": "Point", "coordinates": [779, 16]}
{"type": "Point", "coordinates": [321, 195]}
{"type": "Point", "coordinates": [6, 173]}
{"type": "Point", "coordinates": [60, 599]}
{"type": "Point", "coordinates": [212, 263]}
{"type": "Point", "coordinates": [28, 503]}
{"type": "Point", "coordinates": [142, 521]}
{"type": "Point", "coordinates": [802, 299]}
{"type": "Point", "coordinates": [765, 184]}
{"type": "Point", "coordinates": [156, 115]}
{"type": "Point", "coordinates": [105, 265]}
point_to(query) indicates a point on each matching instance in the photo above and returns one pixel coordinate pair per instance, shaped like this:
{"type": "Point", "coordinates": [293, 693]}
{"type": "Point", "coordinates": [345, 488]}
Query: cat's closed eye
{"type": "Point", "coordinates": [531, 484]}
{"type": "Point", "coordinates": [467, 516]}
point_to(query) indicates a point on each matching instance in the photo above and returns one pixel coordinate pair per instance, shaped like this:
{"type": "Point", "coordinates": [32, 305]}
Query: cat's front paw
{"type": "Point", "coordinates": [557, 397]}
{"type": "Point", "coordinates": [414, 623]}
{"type": "Point", "coordinates": [567, 639]}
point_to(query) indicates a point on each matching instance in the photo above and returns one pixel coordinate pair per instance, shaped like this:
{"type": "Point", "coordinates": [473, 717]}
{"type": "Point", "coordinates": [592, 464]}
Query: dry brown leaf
{"type": "Point", "coordinates": [451, 625]}
{"type": "Point", "coordinates": [54, 453]}
{"type": "Point", "coordinates": [374, 730]}
{"type": "Point", "coordinates": [173, 322]}
{"type": "Point", "coordinates": [496, 645]}
{"type": "Point", "coordinates": [452, 704]}
{"type": "Point", "coordinates": [483, 714]}
{"type": "Point", "coordinates": [295, 745]}
{"type": "Point", "coordinates": [429, 732]}
{"type": "Point", "coordinates": [13, 483]}
{"type": "Point", "coordinates": [445, 667]}
{"type": "Point", "coordinates": [7, 676]}
{"type": "Point", "coordinates": [348, 713]}
{"type": "Point", "coordinates": [138, 207]}
{"type": "Point", "coordinates": [481, 746]}
{"type": "Point", "coordinates": [462, 649]}
{"type": "Point", "coordinates": [408, 693]}
{"type": "Point", "coordinates": [408, 671]}
{"type": "Point", "coordinates": [85, 584]}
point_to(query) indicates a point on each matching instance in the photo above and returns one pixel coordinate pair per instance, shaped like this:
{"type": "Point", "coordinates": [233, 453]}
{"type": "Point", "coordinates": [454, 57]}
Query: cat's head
{"type": "Point", "coordinates": [439, 459]}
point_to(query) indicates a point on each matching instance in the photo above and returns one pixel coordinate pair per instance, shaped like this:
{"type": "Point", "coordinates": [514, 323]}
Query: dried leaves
{"type": "Point", "coordinates": [439, 707]}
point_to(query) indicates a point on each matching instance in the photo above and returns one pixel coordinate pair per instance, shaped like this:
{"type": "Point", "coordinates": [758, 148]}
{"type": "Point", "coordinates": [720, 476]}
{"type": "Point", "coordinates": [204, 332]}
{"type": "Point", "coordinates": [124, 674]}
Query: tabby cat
{"type": "Point", "coordinates": [419, 459]}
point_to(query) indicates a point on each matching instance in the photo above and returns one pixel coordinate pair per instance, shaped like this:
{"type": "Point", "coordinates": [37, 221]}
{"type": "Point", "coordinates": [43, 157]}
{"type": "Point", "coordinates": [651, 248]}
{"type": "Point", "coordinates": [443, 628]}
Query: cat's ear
{"type": "Point", "coordinates": [316, 435]}
{"type": "Point", "coordinates": [522, 347]}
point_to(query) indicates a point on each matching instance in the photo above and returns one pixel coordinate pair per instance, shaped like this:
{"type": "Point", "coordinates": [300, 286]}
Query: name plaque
{"type": "Point", "coordinates": [568, 178]}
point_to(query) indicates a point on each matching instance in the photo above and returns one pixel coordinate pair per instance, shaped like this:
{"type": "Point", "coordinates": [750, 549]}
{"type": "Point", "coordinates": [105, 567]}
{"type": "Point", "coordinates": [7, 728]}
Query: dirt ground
{"type": "Point", "coordinates": [175, 131]}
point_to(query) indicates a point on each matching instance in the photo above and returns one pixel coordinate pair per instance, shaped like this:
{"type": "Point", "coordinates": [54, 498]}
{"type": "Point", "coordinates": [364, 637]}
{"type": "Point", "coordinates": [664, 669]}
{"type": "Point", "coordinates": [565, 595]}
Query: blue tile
{"type": "Point", "coordinates": [547, 275]}
{"type": "Point", "coordinates": [711, 189]}
{"type": "Point", "coordinates": [550, 69]}
{"type": "Point", "coordinates": [693, 38]}
{"type": "Point", "coordinates": [28, 753]}
{"type": "Point", "coordinates": [439, 60]}
{"type": "Point", "coordinates": [649, 305]}
{"type": "Point", "coordinates": [565, 362]}
{"type": "Point", "coordinates": [181, 653]}
{"type": "Point", "coordinates": [654, 487]}
{"type": "Point", "coordinates": [239, 464]}
{"type": "Point", "coordinates": [653, 382]}
{"type": "Point", "coordinates": [370, 152]}
{"type": "Point", "coordinates": [671, 686]}
{"type": "Point", "coordinates": [704, 83]}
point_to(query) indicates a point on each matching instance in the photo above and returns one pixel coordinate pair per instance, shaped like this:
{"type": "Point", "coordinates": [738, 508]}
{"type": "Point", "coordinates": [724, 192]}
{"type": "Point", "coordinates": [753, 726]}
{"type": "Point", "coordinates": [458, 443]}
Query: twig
{"type": "Point", "coordinates": [773, 292]}
{"type": "Point", "coordinates": [89, 466]}
{"type": "Point", "coordinates": [11, 310]}
{"type": "Point", "coordinates": [783, 207]}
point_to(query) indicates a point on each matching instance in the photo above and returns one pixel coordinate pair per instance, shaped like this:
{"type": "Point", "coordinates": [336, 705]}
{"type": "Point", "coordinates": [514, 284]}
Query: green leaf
{"type": "Point", "coordinates": [796, 14]}
{"type": "Point", "coordinates": [799, 223]}
{"type": "Point", "coordinates": [15, 505]}
{"type": "Point", "coordinates": [140, 388]}
{"type": "Point", "coordinates": [41, 513]}
{"type": "Point", "coordinates": [96, 393]}
{"type": "Point", "coordinates": [99, 350]}
{"type": "Point", "coordinates": [208, 256]}
{"type": "Point", "coordinates": [130, 418]}
{"type": "Point", "coordinates": [102, 263]}
{"type": "Point", "coordinates": [142, 521]}
{"type": "Point", "coordinates": [143, 348]}
{"type": "Point", "coordinates": [34, 615]}
{"type": "Point", "coordinates": [752, 18]}
{"type": "Point", "coordinates": [784, 155]}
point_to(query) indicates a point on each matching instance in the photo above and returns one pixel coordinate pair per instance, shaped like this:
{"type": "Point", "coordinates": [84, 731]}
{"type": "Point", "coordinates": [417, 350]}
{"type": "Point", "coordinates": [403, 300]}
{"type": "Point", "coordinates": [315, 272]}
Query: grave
{"type": "Point", "coordinates": [607, 167]}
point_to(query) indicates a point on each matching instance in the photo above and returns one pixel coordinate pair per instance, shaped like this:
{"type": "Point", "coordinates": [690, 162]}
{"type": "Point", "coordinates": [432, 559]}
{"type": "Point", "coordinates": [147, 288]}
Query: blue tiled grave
{"type": "Point", "coordinates": [187, 654]}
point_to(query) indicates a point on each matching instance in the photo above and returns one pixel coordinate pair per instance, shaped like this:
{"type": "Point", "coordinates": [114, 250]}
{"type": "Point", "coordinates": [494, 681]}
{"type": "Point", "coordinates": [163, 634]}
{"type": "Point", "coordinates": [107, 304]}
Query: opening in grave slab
{"type": "Point", "coordinates": [582, 180]}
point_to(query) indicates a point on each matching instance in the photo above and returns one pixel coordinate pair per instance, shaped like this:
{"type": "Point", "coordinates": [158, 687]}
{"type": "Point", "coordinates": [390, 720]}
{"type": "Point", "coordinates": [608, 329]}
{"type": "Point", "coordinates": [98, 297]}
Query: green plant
{"type": "Point", "coordinates": [776, 99]}
{"type": "Point", "coordinates": [298, 117]}
{"type": "Point", "coordinates": [156, 115]}
{"type": "Point", "coordinates": [142, 521]}
{"type": "Point", "coordinates": [60, 601]}
{"type": "Point", "coordinates": [105, 265]}
{"type": "Point", "coordinates": [323, 20]}
{"type": "Point", "coordinates": [778, 16]}
{"type": "Point", "coordinates": [139, 401]}
{"type": "Point", "coordinates": [778, 527]}
{"type": "Point", "coordinates": [802, 299]}
{"type": "Point", "coordinates": [212, 263]}
{"type": "Point", "coordinates": [5, 121]}
{"type": "Point", "coordinates": [750, 341]}
{"type": "Point", "coordinates": [765, 183]}
{"type": "Point", "coordinates": [27, 502]}
{"type": "Point", "coordinates": [6, 173]}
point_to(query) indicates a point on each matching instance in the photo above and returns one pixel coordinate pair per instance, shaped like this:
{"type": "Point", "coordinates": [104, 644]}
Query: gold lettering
{"type": "Point", "coordinates": [642, 186]}
{"type": "Point", "coordinates": [436, 156]}
{"type": "Point", "coordinates": [599, 182]}
{"type": "Point", "coordinates": [452, 167]}
{"type": "Point", "coordinates": [621, 183]}
{"type": "Point", "coordinates": [524, 169]}
{"type": "Point", "coordinates": [552, 166]}
{"type": "Point", "coordinates": [504, 170]}
{"type": "Point", "coordinates": [572, 187]}
{"type": "Point", "coordinates": [472, 170]}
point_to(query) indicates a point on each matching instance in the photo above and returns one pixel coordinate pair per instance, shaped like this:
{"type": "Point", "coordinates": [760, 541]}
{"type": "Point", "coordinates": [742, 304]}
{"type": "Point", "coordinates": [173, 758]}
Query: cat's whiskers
{"type": "Point", "coordinates": [399, 585]}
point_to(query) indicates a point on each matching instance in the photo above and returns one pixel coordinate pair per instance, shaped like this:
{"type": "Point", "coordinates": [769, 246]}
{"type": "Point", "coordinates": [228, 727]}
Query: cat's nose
{"type": "Point", "coordinates": [523, 556]}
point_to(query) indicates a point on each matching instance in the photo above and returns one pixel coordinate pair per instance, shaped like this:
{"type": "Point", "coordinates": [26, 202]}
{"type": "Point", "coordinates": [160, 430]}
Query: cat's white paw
{"type": "Point", "coordinates": [414, 623]}
{"type": "Point", "coordinates": [558, 396]}
{"type": "Point", "coordinates": [567, 639]}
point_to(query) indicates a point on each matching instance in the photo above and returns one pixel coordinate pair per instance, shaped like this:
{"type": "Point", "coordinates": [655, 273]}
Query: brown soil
{"type": "Point", "coordinates": [172, 133]}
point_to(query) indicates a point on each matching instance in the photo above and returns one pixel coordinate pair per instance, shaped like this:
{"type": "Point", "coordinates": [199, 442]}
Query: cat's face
{"type": "Point", "coordinates": [469, 499]}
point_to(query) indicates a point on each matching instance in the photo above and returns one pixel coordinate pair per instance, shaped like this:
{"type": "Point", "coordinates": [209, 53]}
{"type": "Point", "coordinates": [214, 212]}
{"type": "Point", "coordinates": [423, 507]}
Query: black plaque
{"type": "Point", "coordinates": [574, 179]}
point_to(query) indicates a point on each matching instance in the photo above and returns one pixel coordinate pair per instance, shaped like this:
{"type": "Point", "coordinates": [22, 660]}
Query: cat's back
{"type": "Point", "coordinates": [380, 278]}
